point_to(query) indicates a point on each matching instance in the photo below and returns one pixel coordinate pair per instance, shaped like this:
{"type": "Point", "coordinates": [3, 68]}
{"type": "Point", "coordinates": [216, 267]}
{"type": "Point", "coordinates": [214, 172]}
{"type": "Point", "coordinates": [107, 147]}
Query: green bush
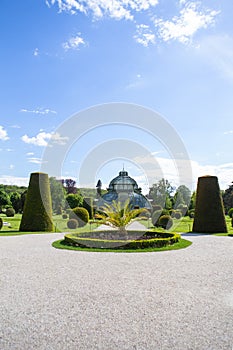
{"type": "Point", "coordinates": [230, 212]}
{"type": "Point", "coordinates": [80, 214]}
{"type": "Point", "coordinates": [231, 222]}
{"type": "Point", "coordinates": [165, 221]}
{"type": "Point", "coordinates": [1, 223]}
{"type": "Point", "coordinates": [10, 212]}
{"type": "Point", "coordinates": [72, 224]}
{"type": "Point", "coordinates": [64, 216]}
{"type": "Point", "coordinates": [191, 213]}
{"type": "Point", "coordinates": [177, 214]}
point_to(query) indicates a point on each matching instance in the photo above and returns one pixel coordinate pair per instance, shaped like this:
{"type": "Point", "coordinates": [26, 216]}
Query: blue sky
{"type": "Point", "coordinates": [59, 57]}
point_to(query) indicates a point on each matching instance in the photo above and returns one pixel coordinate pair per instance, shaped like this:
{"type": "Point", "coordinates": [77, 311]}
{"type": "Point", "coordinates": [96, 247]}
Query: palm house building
{"type": "Point", "coordinates": [123, 188]}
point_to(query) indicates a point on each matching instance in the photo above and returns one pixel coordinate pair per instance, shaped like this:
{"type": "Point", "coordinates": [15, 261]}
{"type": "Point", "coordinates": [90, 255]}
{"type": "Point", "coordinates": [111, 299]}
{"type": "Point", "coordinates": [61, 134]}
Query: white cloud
{"type": "Point", "coordinates": [117, 9]}
{"type": "Point", "coordinates": [190, 20]}
{"type": "Point", "coordinates": [36, 52]}
{"type": "Point", "coordinates": [144, 35]}
{"type": "Point", "coordinates": [13, 180]}
{"type": "Point", "coordinates": [38, 110]}
{"type": "Point", "coordinates": [157, 167]}
{"type": "Point", "coordinates": [30, 154]}
{"type": "Point", "coordinates": [3, 134]}
{"type": "Point", "coordinates": [73, 43]}
{"type": "Point", "coordinates": [35, 160]}
{"type": "Point", "coordinates": [42, 139]}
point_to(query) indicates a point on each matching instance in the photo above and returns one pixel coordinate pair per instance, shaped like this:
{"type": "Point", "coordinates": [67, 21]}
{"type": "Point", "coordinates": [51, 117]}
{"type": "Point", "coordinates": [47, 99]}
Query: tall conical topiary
{"type": "Point", "coordinates": [37, 212]}
{"type": "Point", "coordinates": [209, 211]}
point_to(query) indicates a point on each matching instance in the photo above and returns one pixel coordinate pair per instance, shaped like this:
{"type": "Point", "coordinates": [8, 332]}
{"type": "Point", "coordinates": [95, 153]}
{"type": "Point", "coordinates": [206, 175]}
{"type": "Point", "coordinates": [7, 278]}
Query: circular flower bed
{"type": "Point", "coordinates": [118, 240]}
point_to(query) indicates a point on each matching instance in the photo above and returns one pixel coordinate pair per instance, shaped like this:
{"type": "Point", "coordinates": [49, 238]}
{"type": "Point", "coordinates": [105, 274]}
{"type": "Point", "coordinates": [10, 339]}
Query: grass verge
{"type": "Point", "coordinates": [183, 243]}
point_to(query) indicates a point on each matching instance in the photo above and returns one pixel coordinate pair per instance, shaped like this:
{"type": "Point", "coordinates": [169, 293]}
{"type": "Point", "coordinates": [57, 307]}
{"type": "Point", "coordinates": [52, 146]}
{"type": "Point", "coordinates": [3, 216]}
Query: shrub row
{"type": "Point", "coordinates": [74, 240]}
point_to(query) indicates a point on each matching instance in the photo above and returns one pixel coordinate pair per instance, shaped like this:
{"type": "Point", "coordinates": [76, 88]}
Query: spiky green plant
{"type": "Point", "coordinates": [119, 215]}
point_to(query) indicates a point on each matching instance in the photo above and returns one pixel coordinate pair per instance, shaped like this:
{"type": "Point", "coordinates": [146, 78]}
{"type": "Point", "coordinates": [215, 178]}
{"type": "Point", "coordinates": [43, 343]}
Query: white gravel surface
{"type": "Point", "coordinates": [57, 299]}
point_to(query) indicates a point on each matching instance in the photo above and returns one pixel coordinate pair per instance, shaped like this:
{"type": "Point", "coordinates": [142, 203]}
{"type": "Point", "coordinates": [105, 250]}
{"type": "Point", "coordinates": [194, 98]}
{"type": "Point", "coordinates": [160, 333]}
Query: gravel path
{"type": "Point", "coordinates": [58, 300]}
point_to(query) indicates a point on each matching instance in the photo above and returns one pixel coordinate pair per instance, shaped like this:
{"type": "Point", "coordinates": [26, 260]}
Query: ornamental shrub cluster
{"type": "Point", "coordinates": [80, 214]}
{"type": "Point", "coordinates": [1, 223]}
{"type": "Point", "coordinates": [230, 212]}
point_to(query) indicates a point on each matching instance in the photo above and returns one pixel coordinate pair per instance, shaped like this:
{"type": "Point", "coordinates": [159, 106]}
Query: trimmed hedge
{"type": "Point", "coordinates": [1, 223]}
{"type": "Point", "coordinates": [80, 214]}
{"type": "Point", "coordinates": [230, 212]}
{"type": "Point", "coordinates": [162, 241]}
{"type": "Point", "coordinates": [209, 211]}
{"type": "Point", "coordinates": [37, 211]}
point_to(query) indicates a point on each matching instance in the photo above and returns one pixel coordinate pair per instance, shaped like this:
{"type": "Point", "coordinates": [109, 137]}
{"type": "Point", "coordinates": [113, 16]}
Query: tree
{"type": "Point", "coordinates": [160, 192]}
{"type": "Point", "coordinates": [74, 200]}
{"type": "Point", "coordinates": [182, 196]}
{"type": "Point", "coordinates": [119, 215]}
{"type": "Point", "coordinates": [228, 198]}
{"type": "Point", "coordinates": [69, 186]}
{"type": "Point", "coordinates": [57, 194]}
{"type": "Point", "coordinates": [37, 213]}
{"type": "Point", "coordinates": [16, 202]}
{"type": "Point", "coordinates": [4, 199]}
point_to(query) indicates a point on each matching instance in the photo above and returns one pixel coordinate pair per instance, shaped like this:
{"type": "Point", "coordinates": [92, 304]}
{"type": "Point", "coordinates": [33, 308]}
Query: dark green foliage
{"type": "Point", "coordinates": [228, 198]}
{"type": "Point", "coordinates": [230, 212]}
{"type": "Point", "coordinates": [88, 203]}
{"type": "Point", "coordinates": [182, 196]}
{"type": "Point", "coordinates": [165, 221]}
{"type": "Point", "coordinates": [80, 214]}
{"type": "Point", "coordinates": [64, 216]}
{"type": "Point", "coordinates": [4, 199]}
{"type": "Point", "coordinates": [72, 224]}
{"type": "Point", "coordinates": [10, 212]}
{"type": "Point", "coordinates": [232, 222]}
{"type": "Point", "coordinates": [164, 212]}
{"type": "Point", "coordinates": [1, 223]}
{"type": "Point", "coordinates": [16, 202]}
{"type": "Point", "coordinates": [37, 213]}
{"type": "Point", "coordinates": [74, 200]}
{"type": "Point", "coordinates": [209, 212]}
{"type": "Point", "coordinates": [183, 209]}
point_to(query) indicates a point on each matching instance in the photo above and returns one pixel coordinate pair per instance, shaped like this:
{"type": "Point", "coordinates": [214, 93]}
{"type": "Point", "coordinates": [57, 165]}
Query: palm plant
{"type": "Point", "coordinates": [119, 215]}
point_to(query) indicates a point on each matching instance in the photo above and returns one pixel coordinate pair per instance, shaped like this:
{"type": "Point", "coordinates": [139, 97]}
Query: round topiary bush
{"type": "Point", "coordinates": [191, 213]}
{"type": "Point", "coordinates": [165, 221]}
{"type": "Point", "coordinates": [72, 224]}
{"type": "Point", "coordinates": [80, 214]}
{"type": "Point", "coordinates": [10, 212]}
{"type": "Point", "coordinates": [1, 223]}
{"type": "Point", "coordinates": [177, 214]}
{"type": "Point", "coordinates": [64, 216]}
{"type": "Point", "coordinates": [230, 212]}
